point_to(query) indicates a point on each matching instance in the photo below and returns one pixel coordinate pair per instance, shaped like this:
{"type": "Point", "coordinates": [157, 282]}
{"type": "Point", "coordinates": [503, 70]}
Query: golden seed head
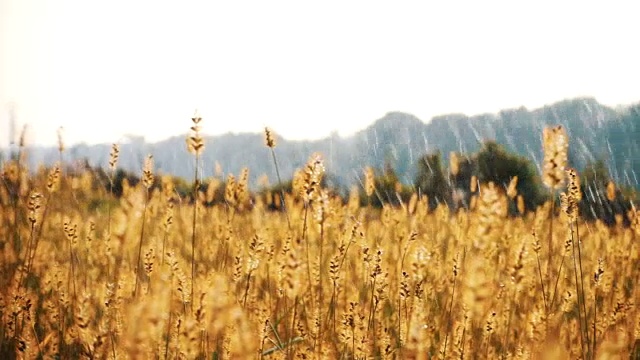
{"type": "Point", "coordinates": [71, 231]}
{"type": "Point", "coordinates": [242, 188]}
{"type": "Point", "coordinates": [147, 172]}
{"type": "Point", "coordinates": [597, 275]}
{"type": "Point", "coordinates": [569, 206]}
{"type": "Point", "coordinates": [195, 142]}
{"type": "Point", "coordinates": [113, 156]}
{"type": "Point", "coordinates": [574, 184]}
{"type": "Point", "coordinates": [230, 190]}
{"type": "Point", "coordinates": [536, 243]}
{"type": "Point", "coordinates": [517, 274]}
{"type": "Point", "coordinates": [269, 138]}
{"type": "Point", "coordinates": [569, 200]}
{"type": "Point", "coordinates": [53, 180]}
{"type": "Point", "coordinates": [312, 176]}
{"type": "Point", "coordinates": [369, 181]}
{"type": "Point", "coordinates": [35, 200]}
{"type": "Point", "coordinates": [555, 144]}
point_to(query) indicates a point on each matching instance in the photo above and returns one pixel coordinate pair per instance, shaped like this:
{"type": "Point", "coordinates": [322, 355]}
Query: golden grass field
{"type": "Point", "coordinates": [151, 275]}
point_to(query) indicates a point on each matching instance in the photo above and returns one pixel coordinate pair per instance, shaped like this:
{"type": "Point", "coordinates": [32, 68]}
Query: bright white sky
{"type": "Point", "coordinates": [109, 68]}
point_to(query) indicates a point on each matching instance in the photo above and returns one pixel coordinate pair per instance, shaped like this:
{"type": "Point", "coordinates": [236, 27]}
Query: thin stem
{"type": "Point", "coordinates": [544, 296]}
{"type": "Point", "coordinates": [595, 304]}
{"type": "Point", "coordinates": [446, 337]}
{"type": "Point", "coordinates": [27, 254]}
{"type": "Point", "coordinates": [293, 324]}
{"type": "Point", "coordinates": [246, 290]}
{"type": "Point", "coordinates": [138, 263]}
{"type": "Point", "coordinates": [550, 248]}
{"type": "Point", "coordinates": [306, 240]}
{"type": "Point", "coordinates": [584, 305]}
{"type": "Point", "coordinates": [555, 289]}
{"type": "Point", "coordinates": [193, 230]}
{"type": "Point", "coordinates": [72, 279]}
{"type": "Point", "coordinates": [282, 202]}
{"type": "Point", "coordinates": [580, 317]}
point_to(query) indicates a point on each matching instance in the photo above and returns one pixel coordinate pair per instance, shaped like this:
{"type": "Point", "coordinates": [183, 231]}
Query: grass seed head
{"type": "Point", "coordinates": [369, 181]}
{"type": "Point", "coordinates": [270, 139]}
{"type": "Point", "coordinates": [35, 202]}
{"type": "Point", "coordinates": [555, 143]}
{"type": "Point", "coordinates": [147, 172]}
{"type": "Point", "coordinates": [230, 190]}
{"type": "Point", "coordinates": [113, 156]}
{"type": "Point", "coordinates": [53, 180]}
{"type": "Point", "coordinates": [195, 142]}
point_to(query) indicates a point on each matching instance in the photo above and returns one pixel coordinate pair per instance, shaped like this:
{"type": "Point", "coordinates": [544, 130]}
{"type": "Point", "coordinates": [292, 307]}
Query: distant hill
{"type": "Point", "coordinates": [595, 131]}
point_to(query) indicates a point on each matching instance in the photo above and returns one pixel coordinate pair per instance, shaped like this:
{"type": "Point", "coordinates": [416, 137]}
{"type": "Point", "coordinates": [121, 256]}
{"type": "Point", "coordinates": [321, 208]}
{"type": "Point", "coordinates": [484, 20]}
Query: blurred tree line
{"type": "Point", "coordinates": [451, 184]}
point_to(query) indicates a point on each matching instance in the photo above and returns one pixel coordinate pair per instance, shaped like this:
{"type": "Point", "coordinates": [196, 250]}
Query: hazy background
{"type": "Point", "coordinates": [106, 69]}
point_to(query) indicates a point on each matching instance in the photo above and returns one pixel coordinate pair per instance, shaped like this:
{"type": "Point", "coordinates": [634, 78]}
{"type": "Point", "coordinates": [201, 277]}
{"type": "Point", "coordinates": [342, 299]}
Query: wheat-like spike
{"type": "Point", "coordinates": [242, 188]}
{"type": "Point", "coordinates": [313, 172]}
{"type": "Point", "coordinates": [230, 190]}
{"type": "Point", "coordinates": [195, 142]}
{"type": "Point", "coordinates": [555, 146]}
{"type": "Point", "coordinates": [270, 139]}
{"type": "Point", "coordinates": [113, 156]}
{"type": "Point", "coordinates": [569, 200]}
{"type": "Point", "coordinates": [53, 180]}
{"type": "Point", "coordinates": [147, 172]}
{"type": "Point", "coordinates": [34, 205]}
{"type": "Point", "coordinates": [574, 184]}
{"type": "Point", "coordinates": [369, 181]}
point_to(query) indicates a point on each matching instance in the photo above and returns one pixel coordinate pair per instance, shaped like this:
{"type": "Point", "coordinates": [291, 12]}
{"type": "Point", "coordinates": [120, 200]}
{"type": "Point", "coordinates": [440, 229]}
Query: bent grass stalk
{"type": "Point", "coordinates": [270, 141]}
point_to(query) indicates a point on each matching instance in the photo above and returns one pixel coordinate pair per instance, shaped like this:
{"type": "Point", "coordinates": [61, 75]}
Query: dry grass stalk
{"type": "Point", "coordinates": [270, 141]}
{"type": "Point", "coordinates": [195, 145]}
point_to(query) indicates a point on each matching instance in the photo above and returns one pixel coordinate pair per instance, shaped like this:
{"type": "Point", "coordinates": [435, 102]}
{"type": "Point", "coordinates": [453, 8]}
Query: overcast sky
{"type": "Point", "coordinates": [102, 69]}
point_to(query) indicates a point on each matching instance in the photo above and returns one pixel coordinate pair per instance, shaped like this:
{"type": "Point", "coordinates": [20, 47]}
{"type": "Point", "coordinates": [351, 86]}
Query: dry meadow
{"type": "Point", "coordinates": [306, 274]}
